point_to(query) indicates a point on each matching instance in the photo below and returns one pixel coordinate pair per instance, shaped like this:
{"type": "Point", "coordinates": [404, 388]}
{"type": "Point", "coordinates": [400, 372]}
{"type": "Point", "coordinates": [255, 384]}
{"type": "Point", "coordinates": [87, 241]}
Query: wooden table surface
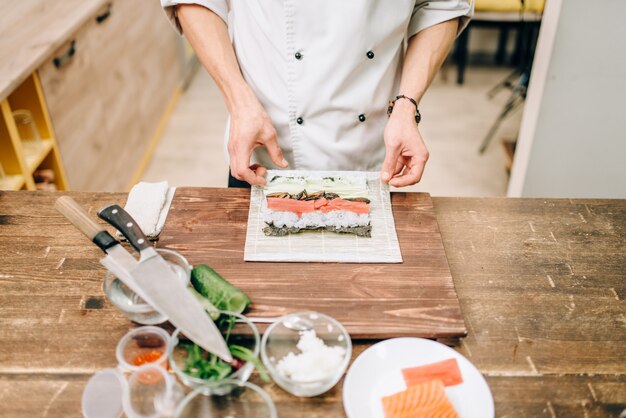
{"type": "Point", "coordinates": [541, 284]}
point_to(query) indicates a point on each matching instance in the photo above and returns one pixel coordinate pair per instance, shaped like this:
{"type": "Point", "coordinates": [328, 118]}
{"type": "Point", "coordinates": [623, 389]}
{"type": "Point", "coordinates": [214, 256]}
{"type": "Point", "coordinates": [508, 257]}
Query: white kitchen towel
{"type": "Point", "coordinates": [148, 204]}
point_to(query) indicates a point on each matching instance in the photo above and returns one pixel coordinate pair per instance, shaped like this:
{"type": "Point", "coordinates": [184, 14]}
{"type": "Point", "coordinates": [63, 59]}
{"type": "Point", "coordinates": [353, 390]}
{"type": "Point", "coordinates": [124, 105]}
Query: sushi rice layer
{"type": "Point", "coordinates": [336, 218]}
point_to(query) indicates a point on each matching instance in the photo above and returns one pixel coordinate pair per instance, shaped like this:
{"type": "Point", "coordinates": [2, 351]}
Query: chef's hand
{"type": "Point", "coordinates": [406, 154]}
{"type": "Point", "coordinates": [250, 128]}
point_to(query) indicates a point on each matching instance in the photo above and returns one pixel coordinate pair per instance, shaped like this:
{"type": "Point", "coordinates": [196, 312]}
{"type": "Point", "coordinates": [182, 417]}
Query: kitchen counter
{"type": "Point", "coordinates": [541, 284]}
{"type": "Point", "coordinates": [31, 30]}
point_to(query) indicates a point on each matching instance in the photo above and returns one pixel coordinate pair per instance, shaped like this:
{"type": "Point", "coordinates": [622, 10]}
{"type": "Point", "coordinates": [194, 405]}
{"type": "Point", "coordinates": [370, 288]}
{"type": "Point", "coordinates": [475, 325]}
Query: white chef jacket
{"type": "Point", "coordinates": [325, 69]}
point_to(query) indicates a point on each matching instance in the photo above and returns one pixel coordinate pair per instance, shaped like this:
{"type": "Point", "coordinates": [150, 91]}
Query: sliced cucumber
{"type": "Point", "coordinates": [223, 295]}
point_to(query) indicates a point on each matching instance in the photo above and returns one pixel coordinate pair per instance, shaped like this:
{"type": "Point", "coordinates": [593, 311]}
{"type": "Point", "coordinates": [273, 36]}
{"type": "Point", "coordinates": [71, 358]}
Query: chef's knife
{"type": "Point", "coordinates": [163, 289]}
{"type": "Point", "coordinates": [118, 260]}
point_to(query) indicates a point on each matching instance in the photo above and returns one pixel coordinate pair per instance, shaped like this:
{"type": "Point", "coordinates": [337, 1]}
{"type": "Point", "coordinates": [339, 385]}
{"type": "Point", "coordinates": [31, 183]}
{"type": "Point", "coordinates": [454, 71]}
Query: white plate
{"type": "Point", "coordinates": [377, 373]}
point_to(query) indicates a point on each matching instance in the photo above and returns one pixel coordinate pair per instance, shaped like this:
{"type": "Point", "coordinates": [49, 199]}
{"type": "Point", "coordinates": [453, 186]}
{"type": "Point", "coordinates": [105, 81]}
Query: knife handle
{"type": "Point", "coordinates": [85, 223]}
{"type": "Point", "coordinates": [120, 219]}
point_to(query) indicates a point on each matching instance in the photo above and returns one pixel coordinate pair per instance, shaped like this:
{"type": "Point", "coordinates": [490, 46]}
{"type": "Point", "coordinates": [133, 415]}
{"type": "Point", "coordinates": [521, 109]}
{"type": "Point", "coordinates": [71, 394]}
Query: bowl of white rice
{"type": "Point", "coordinates": [306, 353]}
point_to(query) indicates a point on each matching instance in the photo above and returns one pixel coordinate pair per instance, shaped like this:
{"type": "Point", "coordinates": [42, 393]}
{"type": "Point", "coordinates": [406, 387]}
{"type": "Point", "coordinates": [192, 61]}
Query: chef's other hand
{"type": "Point", "coordinates": [250, 128]}
{"type": "Point", "coordinates": [405, 152]}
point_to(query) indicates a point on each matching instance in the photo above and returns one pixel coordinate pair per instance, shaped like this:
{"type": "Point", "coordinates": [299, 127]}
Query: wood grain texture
{"type": "Point", "coordinates": [542, 356]}
{"type": "Point", "coordinates": [541, 282]}
{"type": "Point", "coordinates": [32, 30]}
{"type": "Point", "coordinates": [415, 298]}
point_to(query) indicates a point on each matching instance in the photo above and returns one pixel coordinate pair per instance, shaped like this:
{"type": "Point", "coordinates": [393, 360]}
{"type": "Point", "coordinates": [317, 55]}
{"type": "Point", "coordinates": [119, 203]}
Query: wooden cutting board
{"type": "Point", "coordinates": [373, 301]}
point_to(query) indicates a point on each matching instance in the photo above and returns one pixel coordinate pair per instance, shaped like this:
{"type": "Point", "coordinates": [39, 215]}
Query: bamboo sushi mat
{"type": "Point", "coordinates": [324, 246]}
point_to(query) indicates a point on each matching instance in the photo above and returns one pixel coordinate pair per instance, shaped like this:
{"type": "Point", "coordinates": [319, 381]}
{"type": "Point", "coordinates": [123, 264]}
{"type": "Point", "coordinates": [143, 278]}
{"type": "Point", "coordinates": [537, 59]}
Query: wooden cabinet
{"type": "Point", "coordinates": [107, 88]}
{"type": "Point", "coordinates": [75, 105]}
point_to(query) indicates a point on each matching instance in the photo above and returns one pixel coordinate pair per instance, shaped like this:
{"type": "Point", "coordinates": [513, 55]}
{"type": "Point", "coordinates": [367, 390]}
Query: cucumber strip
{"type": "Point", "coordinates": [222, 294]}
{"type": "Point", "coordinates": [247, 355]}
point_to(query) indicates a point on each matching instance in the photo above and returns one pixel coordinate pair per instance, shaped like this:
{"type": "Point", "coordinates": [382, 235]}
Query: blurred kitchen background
{"type": "Point", "coordinates": [98, 95]}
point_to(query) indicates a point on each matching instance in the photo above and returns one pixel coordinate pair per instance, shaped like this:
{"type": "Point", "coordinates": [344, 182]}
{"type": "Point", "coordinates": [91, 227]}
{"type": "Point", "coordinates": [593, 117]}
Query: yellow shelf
{"type": "Point", "coordinates": [12, 182]}
{"type": "Point", "coordinates": [33, 160]}
{"type": "Point", "coordinates": [19, 158]}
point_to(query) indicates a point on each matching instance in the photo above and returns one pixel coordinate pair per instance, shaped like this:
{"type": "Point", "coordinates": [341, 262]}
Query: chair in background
{"type": "Point", "coordinates": [523, 16]}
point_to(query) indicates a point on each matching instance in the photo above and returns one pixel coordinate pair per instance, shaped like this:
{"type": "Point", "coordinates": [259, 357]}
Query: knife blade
{"type": "Point", "coordinates": [163, 289]}
{"type": "Point", "coordinates": [118, 260]}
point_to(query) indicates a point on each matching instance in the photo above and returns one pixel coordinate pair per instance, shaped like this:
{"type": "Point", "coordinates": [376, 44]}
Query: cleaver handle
{"type": "Point", "coordinates": [84, 222]}
{"type": "Point", "coordinates": [120, 219]}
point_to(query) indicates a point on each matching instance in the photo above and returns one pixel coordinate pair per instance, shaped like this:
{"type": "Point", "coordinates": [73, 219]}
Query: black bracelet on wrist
{"type": "Point", "coordinates": [418, 117]}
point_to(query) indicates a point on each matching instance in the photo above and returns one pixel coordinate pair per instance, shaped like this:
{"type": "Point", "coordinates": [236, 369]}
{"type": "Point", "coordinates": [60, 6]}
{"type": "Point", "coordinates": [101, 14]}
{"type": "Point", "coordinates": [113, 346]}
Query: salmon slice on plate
{"type": "Point", "coordinates": [426, 400]}
{"type": "Point", "coordinates": [447, 371]}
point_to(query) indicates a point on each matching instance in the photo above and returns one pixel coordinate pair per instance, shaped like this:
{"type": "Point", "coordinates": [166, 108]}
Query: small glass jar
{"type": "Point", "coordinates": [152, 393]}
{"type": "Point", "coordinates": [27, 129]}
{"type": "Point", "coordinates": [133, 306]}
{"type": "Point", "coordinates": [143, 345]}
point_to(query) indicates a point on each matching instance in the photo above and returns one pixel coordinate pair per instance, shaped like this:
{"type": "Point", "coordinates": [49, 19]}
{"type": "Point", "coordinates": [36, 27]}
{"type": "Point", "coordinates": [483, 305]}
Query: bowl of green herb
{"type": "Point", "coordinates": [195, 367]}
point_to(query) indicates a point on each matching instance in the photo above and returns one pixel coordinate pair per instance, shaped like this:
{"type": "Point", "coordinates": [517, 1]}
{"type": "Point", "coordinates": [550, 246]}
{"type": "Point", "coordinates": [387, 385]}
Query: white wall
{"type": "Point", "coordinates": [572, 141]}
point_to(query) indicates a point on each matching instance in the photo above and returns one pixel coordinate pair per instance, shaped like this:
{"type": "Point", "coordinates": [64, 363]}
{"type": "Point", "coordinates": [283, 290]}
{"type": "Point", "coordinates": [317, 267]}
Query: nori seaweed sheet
{"type": "Point", "coordinates": [361, 231]}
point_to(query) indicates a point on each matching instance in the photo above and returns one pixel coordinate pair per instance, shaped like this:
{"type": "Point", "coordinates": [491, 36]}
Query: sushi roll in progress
{"type": "Point", "coordinates": [335, 204]}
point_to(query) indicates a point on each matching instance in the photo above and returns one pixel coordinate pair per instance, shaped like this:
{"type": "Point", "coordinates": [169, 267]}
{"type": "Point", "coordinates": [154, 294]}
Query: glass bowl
{"type": "Point", "coordinates": [244, 333]}
{"type": "Point", "coordinates": [243, 400]}
{"type": "Point", "coordinates": [143, 345]}
{"type": "Point", "coordinates": [306, 353]}
{"type": "Point", "coordinates": [133, 306]}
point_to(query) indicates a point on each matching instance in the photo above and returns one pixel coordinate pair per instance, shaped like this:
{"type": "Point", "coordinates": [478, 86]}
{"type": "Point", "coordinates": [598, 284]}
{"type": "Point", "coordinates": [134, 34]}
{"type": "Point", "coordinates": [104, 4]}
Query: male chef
{"type": "Point", "coordinates": [322, 84]}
